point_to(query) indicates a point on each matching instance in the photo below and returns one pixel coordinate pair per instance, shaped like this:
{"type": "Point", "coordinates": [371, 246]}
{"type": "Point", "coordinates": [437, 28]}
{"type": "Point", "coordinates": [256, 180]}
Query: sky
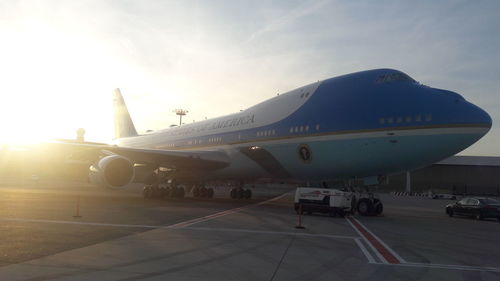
{"type": "Point", "coordinates": [61, 60]}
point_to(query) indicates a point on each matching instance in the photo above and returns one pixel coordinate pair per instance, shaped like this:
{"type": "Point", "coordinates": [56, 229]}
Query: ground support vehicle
{"type": "Point", "coordinates": [336, 202]}
{"type": "Point", "coordinates": [323, 200]}
{"type": "Point", "coordinates": [368, 204]}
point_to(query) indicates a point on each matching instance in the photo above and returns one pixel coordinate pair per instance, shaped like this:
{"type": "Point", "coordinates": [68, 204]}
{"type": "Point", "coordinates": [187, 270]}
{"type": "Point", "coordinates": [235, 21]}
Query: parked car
{"type": "Point", "coordinates": [476, 207]}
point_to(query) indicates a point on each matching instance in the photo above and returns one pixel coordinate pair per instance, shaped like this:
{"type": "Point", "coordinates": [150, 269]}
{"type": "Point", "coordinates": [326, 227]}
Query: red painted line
{"type": "Point", "coordinates": [375, 243]}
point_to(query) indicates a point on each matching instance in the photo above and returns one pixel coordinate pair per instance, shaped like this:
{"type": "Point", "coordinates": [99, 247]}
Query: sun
{"type": "Point", "coordinates": [53, 82]}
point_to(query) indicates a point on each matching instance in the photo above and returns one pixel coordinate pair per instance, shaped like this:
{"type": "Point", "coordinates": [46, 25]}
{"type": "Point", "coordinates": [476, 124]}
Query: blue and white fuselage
{"type": "Point", "coordinates": [369, 123]}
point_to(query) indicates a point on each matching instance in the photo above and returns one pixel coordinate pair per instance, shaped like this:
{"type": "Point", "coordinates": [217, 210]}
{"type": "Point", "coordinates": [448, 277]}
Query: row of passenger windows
{"type": "Point", "coordinates": [406, 119]}
{"type": "Point", "coordinates": [266, 133]}
{"type": "Point", "coordinates": [302, 129]}
{"type": "Point", "coordinates": [212, 140]}
{"type": "Point", "coordinates": [194, 142]}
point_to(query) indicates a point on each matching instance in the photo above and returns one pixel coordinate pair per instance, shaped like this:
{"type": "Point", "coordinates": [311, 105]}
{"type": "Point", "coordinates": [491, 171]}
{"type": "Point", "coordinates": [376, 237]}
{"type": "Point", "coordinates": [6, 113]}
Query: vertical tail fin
{"type": "Point", "coordinates": [124, 127]}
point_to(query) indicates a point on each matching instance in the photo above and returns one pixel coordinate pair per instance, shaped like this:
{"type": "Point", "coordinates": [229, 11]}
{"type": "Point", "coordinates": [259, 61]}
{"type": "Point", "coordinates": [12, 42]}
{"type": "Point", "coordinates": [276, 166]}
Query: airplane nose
{"type": "Point", "coordinates": [483, 117]}
{"type": "Point", "coordinates": [465, 112]}
{"type": "Point", "coordinates": [474, 115]}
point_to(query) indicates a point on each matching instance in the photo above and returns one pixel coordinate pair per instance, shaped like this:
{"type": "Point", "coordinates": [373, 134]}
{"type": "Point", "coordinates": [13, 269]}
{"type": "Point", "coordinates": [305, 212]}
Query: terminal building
{"type": "Point", "coordinates": [477, 175]}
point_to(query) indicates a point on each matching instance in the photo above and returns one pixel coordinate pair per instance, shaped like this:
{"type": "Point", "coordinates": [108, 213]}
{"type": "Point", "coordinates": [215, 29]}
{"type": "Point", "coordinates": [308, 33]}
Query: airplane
{"type": "Point", "coordinates": [363, 125]}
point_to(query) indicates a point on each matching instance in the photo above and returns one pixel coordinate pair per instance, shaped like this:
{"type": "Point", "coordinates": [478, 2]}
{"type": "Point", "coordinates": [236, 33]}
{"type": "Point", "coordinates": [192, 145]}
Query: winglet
{"type": "Point", "coordinates": [124, 127]}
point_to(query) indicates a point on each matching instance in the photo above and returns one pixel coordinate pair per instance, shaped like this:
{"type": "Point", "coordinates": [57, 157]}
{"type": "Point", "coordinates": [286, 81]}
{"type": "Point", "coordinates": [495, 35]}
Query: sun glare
{"type": "Point", "coordinates": [44, 94]}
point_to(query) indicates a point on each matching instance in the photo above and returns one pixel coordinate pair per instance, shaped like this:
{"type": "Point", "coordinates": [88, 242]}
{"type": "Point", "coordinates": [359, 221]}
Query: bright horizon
{"type": "Point", "coordinates": [61, 61]}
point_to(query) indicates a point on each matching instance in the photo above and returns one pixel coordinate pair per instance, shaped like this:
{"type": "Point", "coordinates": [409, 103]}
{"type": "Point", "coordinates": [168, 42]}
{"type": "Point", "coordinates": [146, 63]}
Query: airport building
{"type": "Point", "coordinates": [479, 175]}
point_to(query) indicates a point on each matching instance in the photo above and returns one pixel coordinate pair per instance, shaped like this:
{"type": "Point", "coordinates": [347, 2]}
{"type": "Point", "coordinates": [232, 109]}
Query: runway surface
{"type": "Point", "coordinates": [121, 236]}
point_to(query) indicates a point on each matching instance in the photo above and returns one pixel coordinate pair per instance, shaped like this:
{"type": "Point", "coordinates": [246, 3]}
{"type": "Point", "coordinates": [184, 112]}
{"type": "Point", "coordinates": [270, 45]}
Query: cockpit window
{"type": "Point", "coordinates": [397, 76]}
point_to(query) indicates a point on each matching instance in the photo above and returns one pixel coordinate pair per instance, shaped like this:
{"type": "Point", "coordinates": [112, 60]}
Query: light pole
{"type": "Point", "coordinates": [180, 112]}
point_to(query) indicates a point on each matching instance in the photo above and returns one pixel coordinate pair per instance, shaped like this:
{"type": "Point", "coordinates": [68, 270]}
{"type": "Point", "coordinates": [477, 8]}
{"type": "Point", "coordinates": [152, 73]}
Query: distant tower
{"type": "Point", "coordinates": [80, 134]}
{"type": "Point", "coordinates": [180, 112]}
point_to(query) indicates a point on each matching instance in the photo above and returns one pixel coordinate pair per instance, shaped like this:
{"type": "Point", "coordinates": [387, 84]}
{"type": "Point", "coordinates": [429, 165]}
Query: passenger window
{"type": "Point", "coordinates": [381, 120]}
{"type": "Point", "coordinates": [408, 119]}
{"type": "Point", "coordinates": [418, 118]}
{"type": "Point", "coordinates": [428, 117]}
{"type": "Point", "coordinates": [470, 201]}
{"type": "Point", "coordinates": [400, 119]}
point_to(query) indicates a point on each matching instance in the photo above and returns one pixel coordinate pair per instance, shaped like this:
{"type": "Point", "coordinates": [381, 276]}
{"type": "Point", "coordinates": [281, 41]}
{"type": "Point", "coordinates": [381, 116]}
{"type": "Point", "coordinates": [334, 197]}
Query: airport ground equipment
{"type": "Point", "coordinates": [368, 203]}
{"type": "Point", "coordinates": [323, 200]}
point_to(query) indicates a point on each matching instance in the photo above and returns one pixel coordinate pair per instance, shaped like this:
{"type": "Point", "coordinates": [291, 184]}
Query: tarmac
{"type": "Point", "coordinates": [72, 231]}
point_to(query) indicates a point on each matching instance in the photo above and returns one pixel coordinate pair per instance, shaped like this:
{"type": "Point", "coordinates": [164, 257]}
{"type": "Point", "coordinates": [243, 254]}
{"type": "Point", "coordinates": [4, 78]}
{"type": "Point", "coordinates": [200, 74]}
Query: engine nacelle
{"type": "Point", "coordinates": [113, 171]}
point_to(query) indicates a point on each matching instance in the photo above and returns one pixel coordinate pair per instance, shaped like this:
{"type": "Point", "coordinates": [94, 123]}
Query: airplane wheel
{"type": "Point", "coordinates": [233, 193]}
{"type": "Point", "coordinates": [155, 192]}
{"type": "Point", "coordinates": [196, 192]}
{"type": "Point", "coordinates": [180, 192]}
{"type": "Point", "coordinates": [240, 193]}
{"type": "Point", "coordinates": [365, 207]}
{"type": "Point", "coordinates": [247, 194]}
{"type": "Point", "coordinates": [203, 192]}
{"type": "Point", "coordinates": [210, 193]}
{"type": "Point", "coordinates": [146, 192]}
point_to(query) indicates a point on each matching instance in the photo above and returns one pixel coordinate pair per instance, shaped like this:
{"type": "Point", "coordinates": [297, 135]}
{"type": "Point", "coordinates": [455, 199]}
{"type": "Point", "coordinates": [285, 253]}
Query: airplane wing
{"type": "Point", "coordinates": [201, 160]}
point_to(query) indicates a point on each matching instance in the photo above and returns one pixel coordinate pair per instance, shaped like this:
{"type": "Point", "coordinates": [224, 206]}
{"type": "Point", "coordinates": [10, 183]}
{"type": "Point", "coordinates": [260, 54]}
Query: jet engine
{"type": "Point", "coordinates": [112, 171]}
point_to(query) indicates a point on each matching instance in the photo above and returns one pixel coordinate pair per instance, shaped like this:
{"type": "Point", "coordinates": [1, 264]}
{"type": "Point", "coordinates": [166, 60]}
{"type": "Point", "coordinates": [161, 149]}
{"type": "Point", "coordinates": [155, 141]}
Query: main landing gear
{"type": "Point", "coordinates": [240, 193]}
{"type": "Point", "coordinates": [154, 191]}
{"type": "Point", "coordinates": [200, 191]}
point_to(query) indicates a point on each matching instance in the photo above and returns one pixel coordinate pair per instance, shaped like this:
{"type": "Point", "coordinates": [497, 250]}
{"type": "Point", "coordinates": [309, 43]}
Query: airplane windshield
{"type": "Point", "coordinates": [397, 76]}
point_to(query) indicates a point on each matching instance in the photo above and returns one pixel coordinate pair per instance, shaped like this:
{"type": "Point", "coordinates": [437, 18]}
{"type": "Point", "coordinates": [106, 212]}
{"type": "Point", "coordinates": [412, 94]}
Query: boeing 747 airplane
{"type": "Point", "coordinates": [361, 125]}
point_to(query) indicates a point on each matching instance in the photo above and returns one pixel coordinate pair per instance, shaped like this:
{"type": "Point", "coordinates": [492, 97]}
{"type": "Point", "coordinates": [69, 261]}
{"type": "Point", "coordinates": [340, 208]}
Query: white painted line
{"type": "Point", "coordinates": [377, 253]}
{"type": "Point", "coordinates": [223, 213]}
{"type": "Point", "coordinates": [270, 232]}
{"type": "Point", "coordinates": [365, 251]}
{"type": "Point", "coordinates": [446, 266]}
{"type": "Point", "coordinates": [81, 223]}
{"type": "Point", "coordinates": [177, 225]}
{"type": "Point", "coordinates": [183, 228]}
{"type": "Point", "coordinates": [399, 258]}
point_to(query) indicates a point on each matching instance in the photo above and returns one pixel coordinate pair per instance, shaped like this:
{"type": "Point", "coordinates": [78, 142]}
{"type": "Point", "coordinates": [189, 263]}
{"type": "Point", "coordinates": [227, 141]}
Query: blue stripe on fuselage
{"type": "Point", "coordinates": [360, 101]}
